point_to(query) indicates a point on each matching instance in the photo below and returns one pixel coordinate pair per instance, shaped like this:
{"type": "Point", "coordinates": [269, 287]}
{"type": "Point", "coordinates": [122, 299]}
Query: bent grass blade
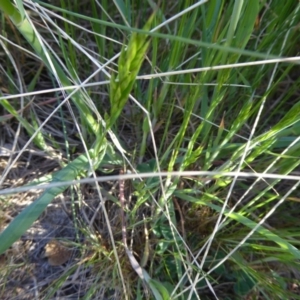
{"type": "Point", "coordinates": [77, 168]}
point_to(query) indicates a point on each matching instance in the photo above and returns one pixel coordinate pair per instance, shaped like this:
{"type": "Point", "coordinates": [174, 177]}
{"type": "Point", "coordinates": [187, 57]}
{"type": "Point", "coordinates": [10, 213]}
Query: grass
{"type": "Point", "coordinates": [160, 143]}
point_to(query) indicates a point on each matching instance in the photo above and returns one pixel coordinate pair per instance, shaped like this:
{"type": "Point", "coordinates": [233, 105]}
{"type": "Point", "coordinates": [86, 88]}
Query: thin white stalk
{"type": "Point", "coordinates": [204, 174]}
{"type": "Point", "coordinates": [222, 67]}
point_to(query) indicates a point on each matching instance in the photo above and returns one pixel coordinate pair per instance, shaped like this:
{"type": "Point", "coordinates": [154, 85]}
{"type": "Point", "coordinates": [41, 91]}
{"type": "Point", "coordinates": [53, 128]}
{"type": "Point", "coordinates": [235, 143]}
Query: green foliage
{"type": "Point", "coordinates": [16, 15]}
{"type": "Point", "coordinates": [129, 64]}
{"type": "Point", "coordinates": [74, 170]}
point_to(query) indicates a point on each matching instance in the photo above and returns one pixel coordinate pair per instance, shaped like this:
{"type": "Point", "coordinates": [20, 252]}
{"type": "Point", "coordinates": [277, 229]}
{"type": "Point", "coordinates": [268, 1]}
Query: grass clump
{"type": "Point", "coordinates": [159, 142]}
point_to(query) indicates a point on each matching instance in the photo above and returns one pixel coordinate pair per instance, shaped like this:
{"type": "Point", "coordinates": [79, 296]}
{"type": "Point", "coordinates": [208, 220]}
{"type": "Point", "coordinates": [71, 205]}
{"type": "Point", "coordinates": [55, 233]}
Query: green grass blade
{"type": "Point", "coordinates": [20, 8]}
{"type": "Point", "coordinates": [39, 138]}
{"type": "Point", "coordinates": [124, 10]}
{"type": "Point", "coordinates": [270, 236]}
{"type": "Point", "coordinates": [80, 166]}
{"type": "Point", "coordinates": [29, 33]}
{"type": "Point", "coordinates": [8, 8]}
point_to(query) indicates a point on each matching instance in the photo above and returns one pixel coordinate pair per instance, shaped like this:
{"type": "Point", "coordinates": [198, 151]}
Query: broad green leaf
{"type": "Point", "coordinates": [15, 15]}
{"type": "Point", "coordinates": [158, 290]}
{"type": "Point", "coordinates": [20, 8]}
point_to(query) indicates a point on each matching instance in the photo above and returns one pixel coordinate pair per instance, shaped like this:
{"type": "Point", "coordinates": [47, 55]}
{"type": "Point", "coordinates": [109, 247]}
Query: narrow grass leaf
{"type": "Point", "coordinates": [38, 139]}
{"type": "Point", "coordinates": [124, 10]}
{"type": "Point", "coordinates": [31, 213]}
{"type": "Point", "coordinates": [246, 24]}
{"type": "Point", "coordinates": [28, 32]}
{"type": "Point", "coordinates": [282, 243]}
{"type": "Point", "coordinates": [234, 21]}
